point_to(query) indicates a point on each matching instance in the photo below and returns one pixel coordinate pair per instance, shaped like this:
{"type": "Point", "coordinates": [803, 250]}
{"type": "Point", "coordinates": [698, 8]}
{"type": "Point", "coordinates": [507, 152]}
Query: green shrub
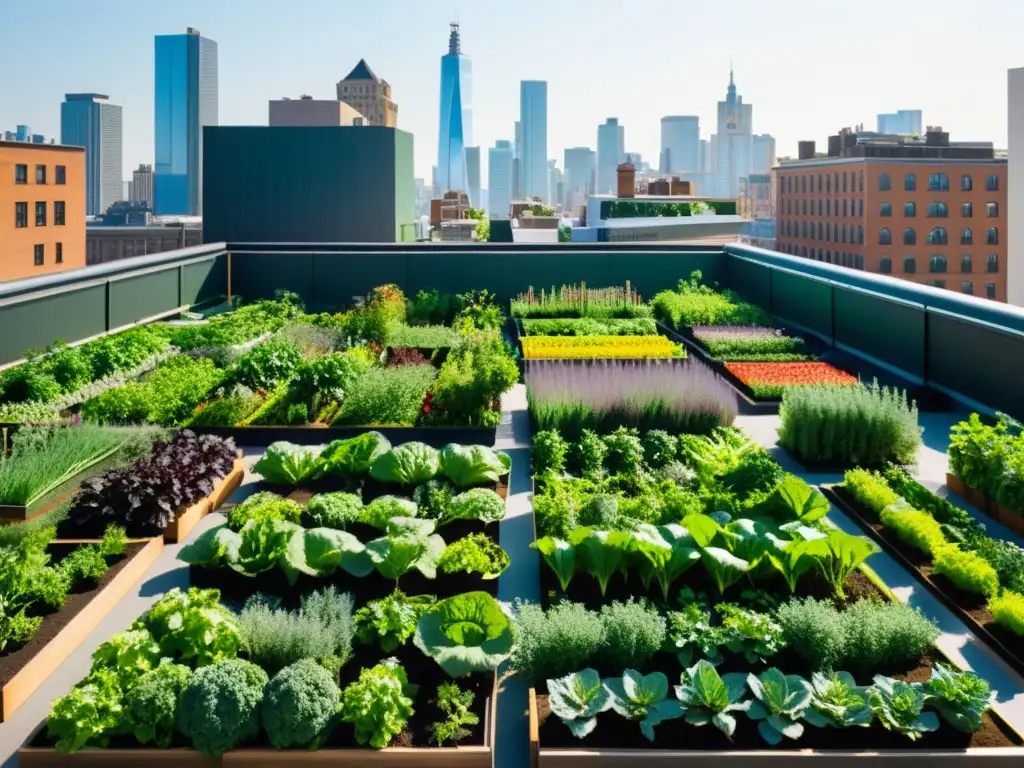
{"type": "Point", "coordinates": [475, 375]}
{"type": "Point", "coordinates": [239, 326]}
{"type": "Point", "coordinates": [85, 564]}
{"type": "Point", "coordinates": [563, 640]}
{"type": "Point", "coordinates": [388, 396]}
{"type": "Point", "coordinates": [549, 452]}
{"type": "Point", "coordinates": [816, 631]}
{"type": "Point", "coordinates": [990, 458]}
{"type": "Point", "coordinates": [333, 510]}
{"type": "Point", "coordinates": [1008, 611]}
{"type": "Point", "coordinates": [633, 633]}
{"type": "Point", "coordinates": [870, 489]}
{"type": "Point", "coordinates": [220, 706]}
{"type": "Point", "coordinates": [966, 569]}
{"type": "Point", "coordinates": [299, 705]}
{"type": "Point", "coordinates": [433, 308]}
{"type": "Point", "coordinates": [236, 405]}
{"type": "Point", "coordinates": [267, 364]}
{"type": "Point", "coordinates": [263, 505]}
{"type": "Point", "coordinates": [858, 425]}
{"type": "Point", "coordinates": [421, 336]}
{"type": "Point", "coordinates": [918, 529]}
{"type": "Point", "coordinates": [433, 497]}
{"type": "Point", "coordinates": [695, 304]}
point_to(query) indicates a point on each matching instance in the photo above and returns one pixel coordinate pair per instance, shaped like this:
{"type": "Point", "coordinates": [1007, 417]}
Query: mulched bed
{"type": "Point", "coordinates": [77, 601]}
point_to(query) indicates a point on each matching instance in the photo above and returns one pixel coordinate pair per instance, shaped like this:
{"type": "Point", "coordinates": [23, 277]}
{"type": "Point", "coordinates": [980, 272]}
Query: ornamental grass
{"type": "Point", "coordinates": [597, 347]}
{"type": "Point", "coordinates": [769, 380]}
{"type": "Point", "coordinates": [605, 394]}
{"type": "Point", "coordinates": [581, 301]}
{"type": "Point", "coordinates": [750, 342]}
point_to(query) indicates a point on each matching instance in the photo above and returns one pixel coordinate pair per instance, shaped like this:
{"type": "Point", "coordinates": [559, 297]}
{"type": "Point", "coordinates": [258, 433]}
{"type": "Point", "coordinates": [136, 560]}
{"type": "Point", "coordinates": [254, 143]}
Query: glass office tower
{"type": "Point", "coordinates": [89, 120]}
{"type": "Point", "coordinates": [456, 129]}
{"type": "Point", "coordinates": [186, 92]}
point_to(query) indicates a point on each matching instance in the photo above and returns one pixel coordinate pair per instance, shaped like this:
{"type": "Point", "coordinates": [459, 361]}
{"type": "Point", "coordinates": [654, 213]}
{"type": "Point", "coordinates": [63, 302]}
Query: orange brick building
{"type": "Point", "coordinates": [42, 209]}
{"type": "Point", "coordinates": [923, 210]}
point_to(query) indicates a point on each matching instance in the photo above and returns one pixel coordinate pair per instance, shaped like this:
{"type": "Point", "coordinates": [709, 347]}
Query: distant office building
{"type": "Point", "coordinates": [142, 185]}
{"type": "Point", "coordinates": [556, 184]}
{"type": "Point", "coordinates": [307, 111]}
{"type": "Point", "coordinates": [89, 120]}
{"type": "Point", "coordinates": [456, 127]}
{"type": "Point", "coordinates": [499, 179]}
{"type": "Point", "coordinates": [706, 163]}
{"type": "Point", "coordinates": [1015, 193]}
{"type": "Point", "coordinates": [580, 169]}
{"type": "Point", "coordinates": [473, 176]}
{"type": "Point", "coordinates": [903, 121]}
{"type": "Point", "coordinates": [680, 144]}
{"type": "Point", "coordinates": [533, 115]}
{"type": "Point", "coordinates": [517, 162]}
{"type": "Point", "coordinates": [611, 150]}
{"type": "Point", "coordinates": [312, 185]}
{"type": "Point", "coordinates": [186, 95]}
{"type": "Point", "coordinates": [734, 146]}
{"type": "Point", "coordinates": [24, 133]}
{"type": "Point", "coordinates": [369, 96]}
{"type": "Point", "coordinates": [764, 153]}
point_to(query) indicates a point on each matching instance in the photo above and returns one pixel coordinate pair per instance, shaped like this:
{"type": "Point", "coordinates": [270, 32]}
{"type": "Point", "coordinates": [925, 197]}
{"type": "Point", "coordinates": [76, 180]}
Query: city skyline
{"type": "Point", "coordinates": [969, 101]}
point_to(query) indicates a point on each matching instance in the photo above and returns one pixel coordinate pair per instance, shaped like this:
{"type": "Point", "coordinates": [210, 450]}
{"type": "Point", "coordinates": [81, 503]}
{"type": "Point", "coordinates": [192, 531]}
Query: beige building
{"type": "Point", "coordinates": [370, 95]}
{"type": "Point", "coordinates": [142, 185]}
{"type": "Point", "coordinates": [307, 112]}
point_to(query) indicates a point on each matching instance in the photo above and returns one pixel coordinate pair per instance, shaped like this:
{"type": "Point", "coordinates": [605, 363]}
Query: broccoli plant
{"type": "Point", "coordinates": [578, 699]}
{"type": "Point", "coordinates": [960, 697]}
{"type": "Point", "coordinates": [899, 706]}
{"type": "Point", "coordinates": [710, 698]}
{"type": "Point", "coordinates": [837, 701]}
{"type": "Point", "coordinates": [299, 705]}
{"type": "Point", "coordinates": [378, 704]}
{"type": "Point", "coordinates": [643, 699]}
{"type": "Point", "coordinates": [781, 702]}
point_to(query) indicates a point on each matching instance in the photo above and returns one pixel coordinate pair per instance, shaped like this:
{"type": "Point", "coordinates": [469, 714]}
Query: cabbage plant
{"type": "Point", "coordinates": [899, 706]}
{"type": "Point", "coordinates": [465, 634]}
{"type": "Point", "coordinates": [469, 465]}
{"type": "Point", "coordinates": [960, 697]}
{"type": "Point", "coordinates": [780, 705]}
{"type": "Point", "coordinates": [408, 464]}
{"type": "Point", "coordinates": [837, 701]}
{"type": "Point", "coordinates": [578, 699]}
{"type": "Point", "coordinates": [284, 463]}
{"type": "Point", "coordinates": [710, 698]}
{"type": "Point", "coordinates": [643, 699]}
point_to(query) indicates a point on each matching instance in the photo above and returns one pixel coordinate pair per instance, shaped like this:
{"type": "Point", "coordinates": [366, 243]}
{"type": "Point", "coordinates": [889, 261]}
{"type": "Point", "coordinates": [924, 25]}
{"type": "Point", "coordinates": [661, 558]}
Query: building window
{"type": "Point", "coordinates": [967, 210]}
{"type": "Point", "coordinates": [852, 239]}
{"type": "Point", "coordinates": [910, 236]}
{"type": "Point", "coordinates": [909, 265]}
{"type": "Point", "coordinates": [40, 174]}
{"type": "Point", "coordinates": [910, 210]}
{"type": "Point", "coordinates": [860, 207]}
{"type": "Point", "coordinates": [966, 236]}
{"type": "Point", "coordinates": [910, 182]}
{"type": "Point", "coordinates": [828, 207]}
{"type": "Point", "coordinates": [937, 263]}
{"type": "Point", "coordinates": [990, 290]}
{"type": "Point", "coordinates": [884, 182]}
{"type": "Point", "coordinates": [992, 210]}
{"type": "Point", "coordinates": [58, 213]}
{"type": "Point", "coordinates": [844, 234]}
{"type": "Point", "coordinates": [844, 181]}
{"type": "Point", "coordinates": [939, 283]}
{"type": "Point", "coordinates": [860, 234]}
{"type": "Point", "coordinates": [938, 182]}
{"type": "Point", "coordinates": [828, 183]}
{"type": "Point", "coordinates": [938, 236]}
{"type": "Point", "coordinates": [967, 287]}
{"type": "Point", "coordinates": [844, 208]}
{"type": "Point", "coordinates": [938, 211]}
{"type": "Point", "coordinates": [21, 174]}
{"type": "Point", "coordinates": [20, 215]}
{"type": "Point", "coordinates": [38, 253]}
{"type": "Point", "coordinates": [59, 174]}
{"type": "Point", "coordinates": [885, 209]}
{"type": "Point", "coordinates": [966, 263]}
{"type": "Point", "coordinates": [40, 214]}
{"type": "Point", "coordinates": [803, 229]}
{"type": "Point", "coordinates": [805, 207]}
{"type": "Point", "coordinates": [835, 233]}
{"type": "Point", "coordinates": [884, 236]}
{"type": "Point", "coordinates": [992, 238]}
{"type": "Point", "coordinates": [885, 265]}
{"type": "Point", "coordinates": [820, 206]}
{"type": "Point", "coordinates": [803, 185]}
{"type": "Point", "coordinates": [820, 231]}
{"type": "Point", "coordinates": [992, 182]}
{"type": "Point", "coordinates": [59, 255]}
{"type": "Point", "coordinates": [992, 262]}
{"type": "Point", "coordinates": [789, 206]}
{"type": "Point", "coordinates": [860, 181]}
{"type": "Point", "coordinates": [858, 261]}
{"type": "Point", "coordinates": [966, 183]}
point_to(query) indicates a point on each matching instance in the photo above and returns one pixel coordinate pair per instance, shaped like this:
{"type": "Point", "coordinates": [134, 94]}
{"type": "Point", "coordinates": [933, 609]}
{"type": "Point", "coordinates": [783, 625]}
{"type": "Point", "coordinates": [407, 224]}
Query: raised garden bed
{"type": "Point", "coordinates": [61, 632]}
{"type": "Point", "coordinates": [984, 503]}
{"type": "Point", "coordinates": [970, 608]}
{"type": "Point", "coordinates": [317, 434]}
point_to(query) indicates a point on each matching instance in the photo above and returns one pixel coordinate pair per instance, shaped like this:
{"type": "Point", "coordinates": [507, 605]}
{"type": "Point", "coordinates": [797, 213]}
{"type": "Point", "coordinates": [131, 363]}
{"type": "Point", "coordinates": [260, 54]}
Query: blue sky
{"type": "Point", "coordinates": [807, 67]}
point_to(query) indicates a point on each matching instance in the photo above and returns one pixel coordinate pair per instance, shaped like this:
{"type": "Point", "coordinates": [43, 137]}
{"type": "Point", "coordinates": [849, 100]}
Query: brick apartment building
{"type": "Point", "coordinates": [42, 209]}
{"type": "Point", "coordinates": [920, 208]}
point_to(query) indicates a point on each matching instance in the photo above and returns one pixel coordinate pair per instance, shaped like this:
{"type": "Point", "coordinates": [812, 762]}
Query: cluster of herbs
{"type": "Point", "coordinates": [589, 326]}
{"type": "Point", "coordinates": [568, 301]}
{"type": "Point", "coordinates": [750, 343]}
{"type": "Point", "coordinates": [241, 325]}
{"type": "Point", "coordinates": [990, 458]}
{"type": "Point", "coordinates": [695, 304]}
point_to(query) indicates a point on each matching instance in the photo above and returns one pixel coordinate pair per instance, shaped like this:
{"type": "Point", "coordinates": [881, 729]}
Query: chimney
{"type": "Point", "coordinates": [806, 150]}
{"type": "Point", "coordinates": [627, 180]}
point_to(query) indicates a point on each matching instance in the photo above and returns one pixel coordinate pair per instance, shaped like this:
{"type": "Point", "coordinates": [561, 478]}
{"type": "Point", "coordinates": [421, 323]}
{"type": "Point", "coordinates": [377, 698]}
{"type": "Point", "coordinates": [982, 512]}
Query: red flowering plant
{"type": "Point", "coordinates": [771, 380]}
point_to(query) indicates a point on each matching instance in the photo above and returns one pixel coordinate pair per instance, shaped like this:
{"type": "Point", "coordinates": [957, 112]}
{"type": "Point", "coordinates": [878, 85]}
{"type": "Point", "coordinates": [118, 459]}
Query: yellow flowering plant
{"type": "Point", "coordinates": [598, 347]}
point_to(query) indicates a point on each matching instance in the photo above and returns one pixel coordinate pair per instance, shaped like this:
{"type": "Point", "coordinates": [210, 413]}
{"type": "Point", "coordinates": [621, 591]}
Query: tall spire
{"type": "Point", "coordinates": [732, 82]}
{"type": "Point", "coordinates": [454, 43]}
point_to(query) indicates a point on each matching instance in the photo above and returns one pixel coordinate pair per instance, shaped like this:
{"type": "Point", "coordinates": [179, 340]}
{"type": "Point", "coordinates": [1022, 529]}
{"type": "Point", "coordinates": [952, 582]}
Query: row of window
{"type": "Point", "coordinates": [825, 207]}
{"type": "Point", "coordinates": [939, 210]}
{"type": "Point", "coordinates": [21, 174]}
{"type": "Point", "coordinates": [39, 254]}
{"type": "Point", "coordinates": [854, 182]}
{"type": "Point", "coordinates": [829, 233]}
{"type": "Point", "coordinates": [938, 236]}
{"type": "Point", "coordinates": [937, 264]}
{"type": "Point", "coordinates": [21, 214]}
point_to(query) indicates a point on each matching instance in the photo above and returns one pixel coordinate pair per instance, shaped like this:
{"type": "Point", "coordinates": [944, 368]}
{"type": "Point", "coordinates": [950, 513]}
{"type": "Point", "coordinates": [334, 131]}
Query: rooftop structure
{"type": "Point", "coordinates": [369, 95]}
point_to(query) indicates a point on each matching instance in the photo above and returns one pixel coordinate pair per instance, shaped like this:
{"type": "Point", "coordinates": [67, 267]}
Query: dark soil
{"type": "Point", "coordinates": [972, 608]}
{"type": "Point", "coordinates": [77, 601]}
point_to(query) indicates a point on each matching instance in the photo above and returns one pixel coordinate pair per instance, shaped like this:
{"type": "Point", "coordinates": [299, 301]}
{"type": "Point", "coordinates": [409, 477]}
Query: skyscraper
{"type": "Point", "coordinates": [680, 143]}
{"type": "Point", "coordinates": [902, 121]}
{"type": "Point", "coordinates": [369, 95]}
{"type": "Point", "coordinates": [186, 91]}
{"type": "Point", "coordinates": [499, 179]}
{"type": "Point", "coordinates": [517, 162]}
{"type": "Point", "coordinates": [734, 142]}
{"type": "Point", "coordinates": [556, 183]}
{"type": "Point", "coordinates": [579, 174]}
{"type": "Point", "coordinates": [533, 114]}
{"type": "Point", "coordinates": [89, 120]}
{"type": "Point", "coordinates": [611, 150]}
{"type": "Point", "coordinates": [764, 153]}
{"type": "Point", "coordinates": [456, 129]}
{"type": "Point", "coordinates": [142, 185]}
{"type": "Point", "coordinates": [473, 176]}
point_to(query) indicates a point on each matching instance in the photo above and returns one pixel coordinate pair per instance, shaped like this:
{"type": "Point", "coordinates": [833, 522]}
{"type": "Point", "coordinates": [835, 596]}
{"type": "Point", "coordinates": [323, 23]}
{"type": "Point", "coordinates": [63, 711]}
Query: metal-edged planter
{"type": "Point", "coordinates": [318, 434]}
{"type": "Point", "coordinates": [985, 503]}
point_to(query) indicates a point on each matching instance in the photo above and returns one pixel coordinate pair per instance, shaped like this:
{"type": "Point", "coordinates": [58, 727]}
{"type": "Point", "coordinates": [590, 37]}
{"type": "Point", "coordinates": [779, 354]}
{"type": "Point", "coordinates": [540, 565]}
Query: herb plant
{"type": "Point", "coordinates": [455, 704]}
{"type": "Point", "coordinates": [554, 643]}
{"type": "Point", "coordinates": [480, 504]}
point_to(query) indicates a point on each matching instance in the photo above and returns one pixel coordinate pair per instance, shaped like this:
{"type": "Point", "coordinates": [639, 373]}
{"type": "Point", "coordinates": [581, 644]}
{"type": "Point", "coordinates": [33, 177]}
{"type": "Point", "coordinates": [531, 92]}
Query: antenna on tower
{"type": "Point", "coordinates": [454, 41]}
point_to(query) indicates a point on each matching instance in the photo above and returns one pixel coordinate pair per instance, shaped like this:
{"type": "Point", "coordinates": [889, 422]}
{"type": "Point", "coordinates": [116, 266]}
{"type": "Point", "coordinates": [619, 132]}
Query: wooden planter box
{"type": "Point", "coordinates": [187, 520]}
{"type": "Point", "coordinates": [320, 434]}
{"type": "Point", "coordinates": [267, 757]}
{"type": "Point", "coordinates": [25, 682]}
{"type": "Point", "coordinates": [562, 757]}
{"type": "Point", "coordinates": [983, 503]}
